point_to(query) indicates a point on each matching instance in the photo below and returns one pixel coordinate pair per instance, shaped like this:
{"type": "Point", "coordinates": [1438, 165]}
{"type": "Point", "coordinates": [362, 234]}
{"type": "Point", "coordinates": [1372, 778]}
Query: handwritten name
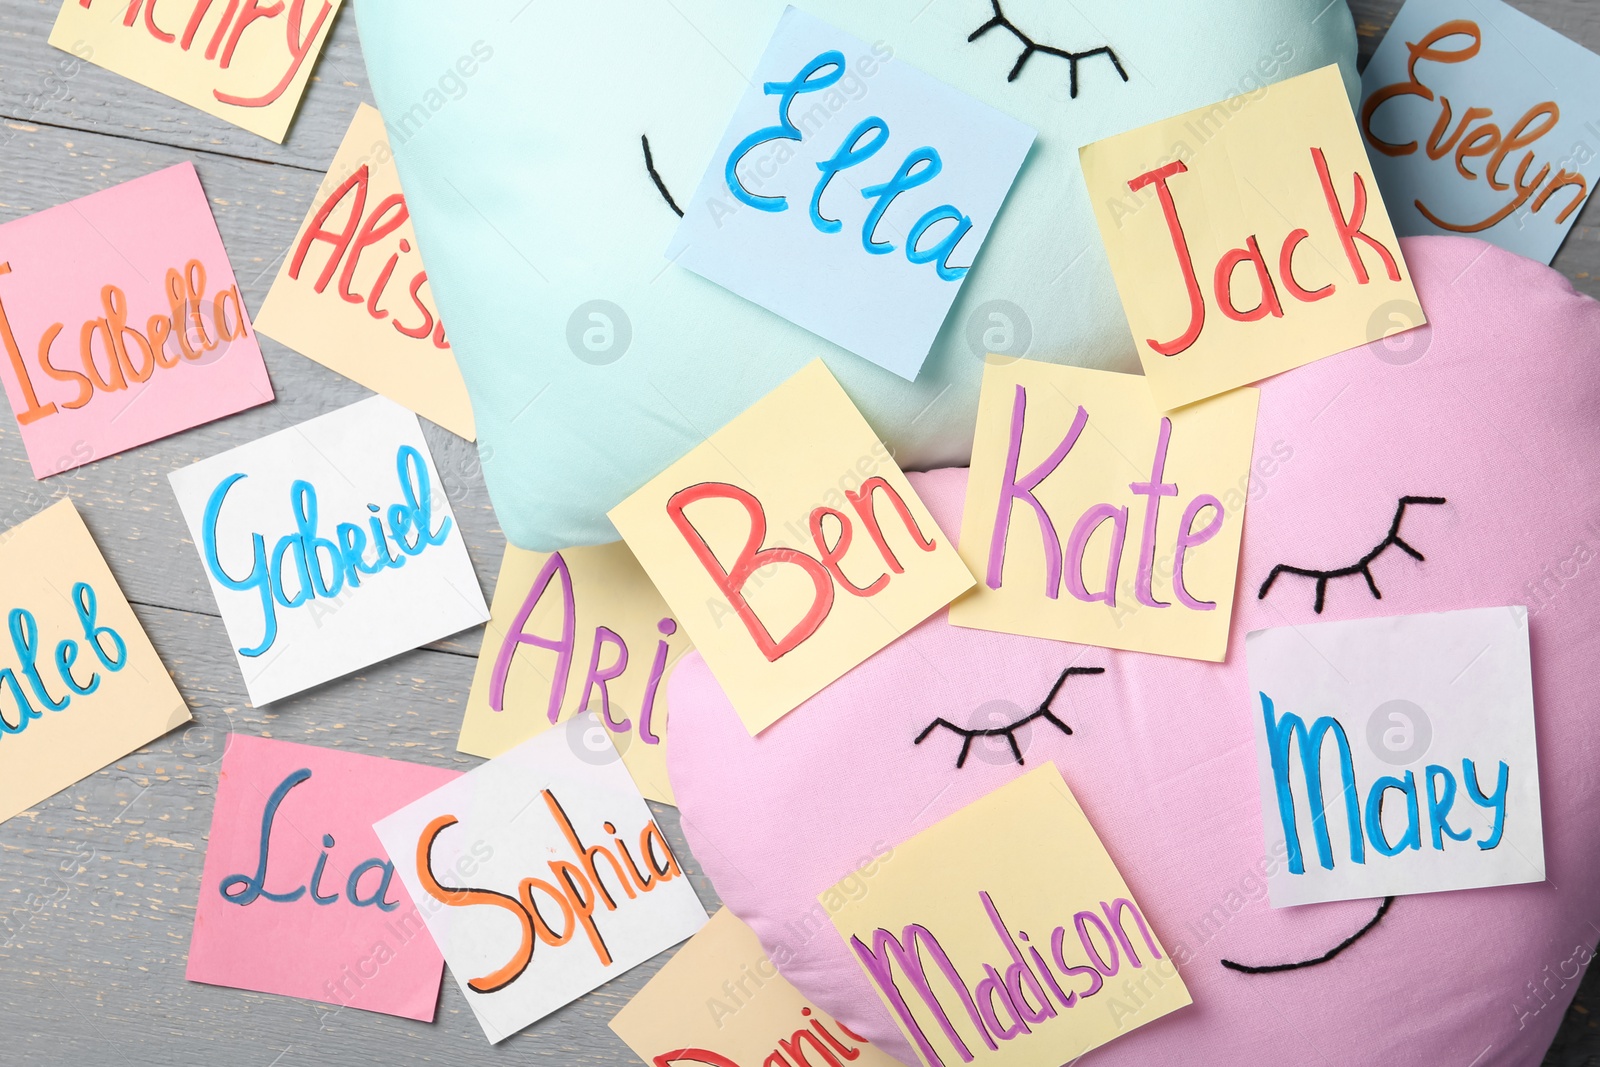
{"type": "Point", "coordinates": [825, 570]}
{"type": "Point", "coordinates": [1015, 488]}
{"type": "Point", "coordinates": [1438, 787]}
{"type": "Point", "coordinates": [225, 37]}
{"type": "Point", "coordinates": [363, 230]}
{"type": "Point", "coordinates": [323, 566]}
{"type": "Point", "coordinates": [576, 889]}
{"type": "Point", "coordinates": [598, 678]}
{"type": "Point", "coordinates": [246, 889]}
{"type": "Point", "coordinates": [23, 628]}
{"type": "Point", "coordinates": [1023, 987]}
{"type": "Point", "coordinates": [129, 356]}
{"type": "Point", "coordinates": [807, 1045]}
{"type": "Point", "coordinates": [1475, 137]}
{"type": "Point", "coordinates": [1347, 227]}
{"type": "Point", "coordinates": [859, 145]}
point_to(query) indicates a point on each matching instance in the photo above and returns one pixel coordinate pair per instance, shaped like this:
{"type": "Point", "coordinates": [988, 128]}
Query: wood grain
{"type": "Point", "coordinates": [98, 884]}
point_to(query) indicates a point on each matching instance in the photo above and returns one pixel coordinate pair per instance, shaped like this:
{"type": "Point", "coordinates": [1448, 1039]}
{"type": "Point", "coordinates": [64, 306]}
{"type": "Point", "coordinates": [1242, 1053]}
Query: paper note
{"type": "Point", "coordinates": [329, 546]}
{"type": "Point", "coordinates": [245, 63]}
{"type": "Point", "coordinates": [1396, 755]}
{"type": "Point", "coordinates": [297, 896]}
{"type": "Point", "coordinates": [552, 874]}
{"type": "Point", "coordinates": [790, 546]}
{"type": "Point", "coordinates": [80, 684]}
{"type": "Point", "coordinates": [1481, 121]}
{"type": "Point", "coordinates": [121, 322]}
{"type": "Point", "coordinates": [1248, 237]}
{"type": "Point", "coordinates": [994, 936]}
{"type": "Point", "coordinates": [351, 292]}
{"type": "Point", "coordinates": [577, 630]}
{"type": "Point", "coordinates": [1092, 517]}
{"type": "Point", "coordinates": [720, 1001]}
{"type": "Point", "coordinates": [851, 193]}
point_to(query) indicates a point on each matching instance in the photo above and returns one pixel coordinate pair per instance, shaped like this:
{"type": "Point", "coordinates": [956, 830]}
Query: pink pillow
{"type": "Point", "coordinates": [1496, 408]}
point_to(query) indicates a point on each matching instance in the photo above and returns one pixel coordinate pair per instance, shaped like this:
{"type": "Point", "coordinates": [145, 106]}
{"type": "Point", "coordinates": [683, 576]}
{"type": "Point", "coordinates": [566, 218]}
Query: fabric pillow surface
{"type": "Point", "coordinates": [517, 130]}
{"type": "Point", "coordinates": [1493, 406]}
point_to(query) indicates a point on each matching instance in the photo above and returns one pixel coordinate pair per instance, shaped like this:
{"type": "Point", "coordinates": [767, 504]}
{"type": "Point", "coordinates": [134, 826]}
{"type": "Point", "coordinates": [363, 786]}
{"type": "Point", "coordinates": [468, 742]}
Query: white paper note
{"type": "Point", "coordinates": [1428, 778]}
{"type": "Point", "coordinates": [329, 546]}
{"type": "Point", "coordinates": [541, 875]}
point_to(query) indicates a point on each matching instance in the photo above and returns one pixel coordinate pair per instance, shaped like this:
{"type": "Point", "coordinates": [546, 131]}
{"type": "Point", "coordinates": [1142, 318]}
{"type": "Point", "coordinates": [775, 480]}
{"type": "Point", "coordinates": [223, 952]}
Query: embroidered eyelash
{"type": "Point", "coordinates": [1030, 46]}
{"type": "Point", "coordinates": [1273, 968]}
{"type": "Point", "coordinates": [1010, 732]}
{"type": "Point", "coordinates": [661, 186]}
{"type": "Point", "coordinates": [1363, 566]}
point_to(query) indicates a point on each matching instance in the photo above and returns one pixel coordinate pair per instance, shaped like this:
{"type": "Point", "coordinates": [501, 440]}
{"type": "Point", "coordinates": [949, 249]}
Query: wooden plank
{"type": "Point", "coordinates": [99, 887]}
{"type": "Point", "coordinates": [43, 85]}
{"type": "Point", "coordinates": [125, 498]}
{"type": "Point", "coordinates": [98, 884]}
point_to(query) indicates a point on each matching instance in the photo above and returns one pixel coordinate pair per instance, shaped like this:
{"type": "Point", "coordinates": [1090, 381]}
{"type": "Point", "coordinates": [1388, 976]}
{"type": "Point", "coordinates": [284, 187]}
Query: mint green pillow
{"type": "Point", "coordinates": [520, 130]}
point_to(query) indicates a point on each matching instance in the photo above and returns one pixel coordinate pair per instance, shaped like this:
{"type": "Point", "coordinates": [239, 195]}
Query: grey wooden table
{"type": "Point", "coordinates": [98, 884]}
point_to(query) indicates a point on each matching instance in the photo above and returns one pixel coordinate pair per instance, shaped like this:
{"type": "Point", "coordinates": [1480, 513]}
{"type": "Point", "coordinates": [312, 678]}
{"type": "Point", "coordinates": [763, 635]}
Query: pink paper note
{"type": "Point", "coordinates": [310, 907]}
{"type": "Point", "coordinates": [121, 322]}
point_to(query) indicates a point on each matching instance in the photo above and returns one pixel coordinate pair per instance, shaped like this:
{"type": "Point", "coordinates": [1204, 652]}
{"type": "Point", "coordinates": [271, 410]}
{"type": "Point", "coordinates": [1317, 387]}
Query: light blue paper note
{"type": "Point", "coordinates": [1482, 122]}
{"type": "Point", "coordinates": [851, 193]}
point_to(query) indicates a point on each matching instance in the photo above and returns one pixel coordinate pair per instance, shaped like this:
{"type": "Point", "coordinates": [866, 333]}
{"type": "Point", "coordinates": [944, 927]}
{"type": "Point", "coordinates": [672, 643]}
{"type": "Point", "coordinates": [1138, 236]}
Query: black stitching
{"type": "Point", "coordinates": [661, 186]}
{"type": "Point", "coordinates": [1030, 46]}
{"type": "Point", "coordinates": [1273, 968]}
{"type": "Point", "coordinates": [1010, 732]}
{"type": "Point", "coordinates": [1363, 566]}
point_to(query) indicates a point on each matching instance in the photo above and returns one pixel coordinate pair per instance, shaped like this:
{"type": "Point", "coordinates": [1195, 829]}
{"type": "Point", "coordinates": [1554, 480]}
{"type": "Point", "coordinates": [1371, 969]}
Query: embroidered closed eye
{"type": "Point", "coordinates": [1030, 47]}
{"type": "Point", "coordinates": [1362, 566]}
{"type": "Point", "coordinates": [1043, 711]}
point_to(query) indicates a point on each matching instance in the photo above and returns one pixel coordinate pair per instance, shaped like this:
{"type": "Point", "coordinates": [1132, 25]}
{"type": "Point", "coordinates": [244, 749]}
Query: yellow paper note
{"type": "Point", "coordinates": [80, 684]}
{"type": "Point", "coordinates": [1018, 898]}
{"type": "Point", "coordinates": [571, 631]}
{"type": "Point", "coordinates": [351, 292]}
{"type": "Point", "coordinates": [790, 546]}
{"type": "Point", "coordinates": [1091, 517]}
{"type": "Point", "coordinates": [720, 1001]}
{"type": "Point", "coordinates": [245, 63]}
{"type": "Point", "coordinates": [1248, 237]}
